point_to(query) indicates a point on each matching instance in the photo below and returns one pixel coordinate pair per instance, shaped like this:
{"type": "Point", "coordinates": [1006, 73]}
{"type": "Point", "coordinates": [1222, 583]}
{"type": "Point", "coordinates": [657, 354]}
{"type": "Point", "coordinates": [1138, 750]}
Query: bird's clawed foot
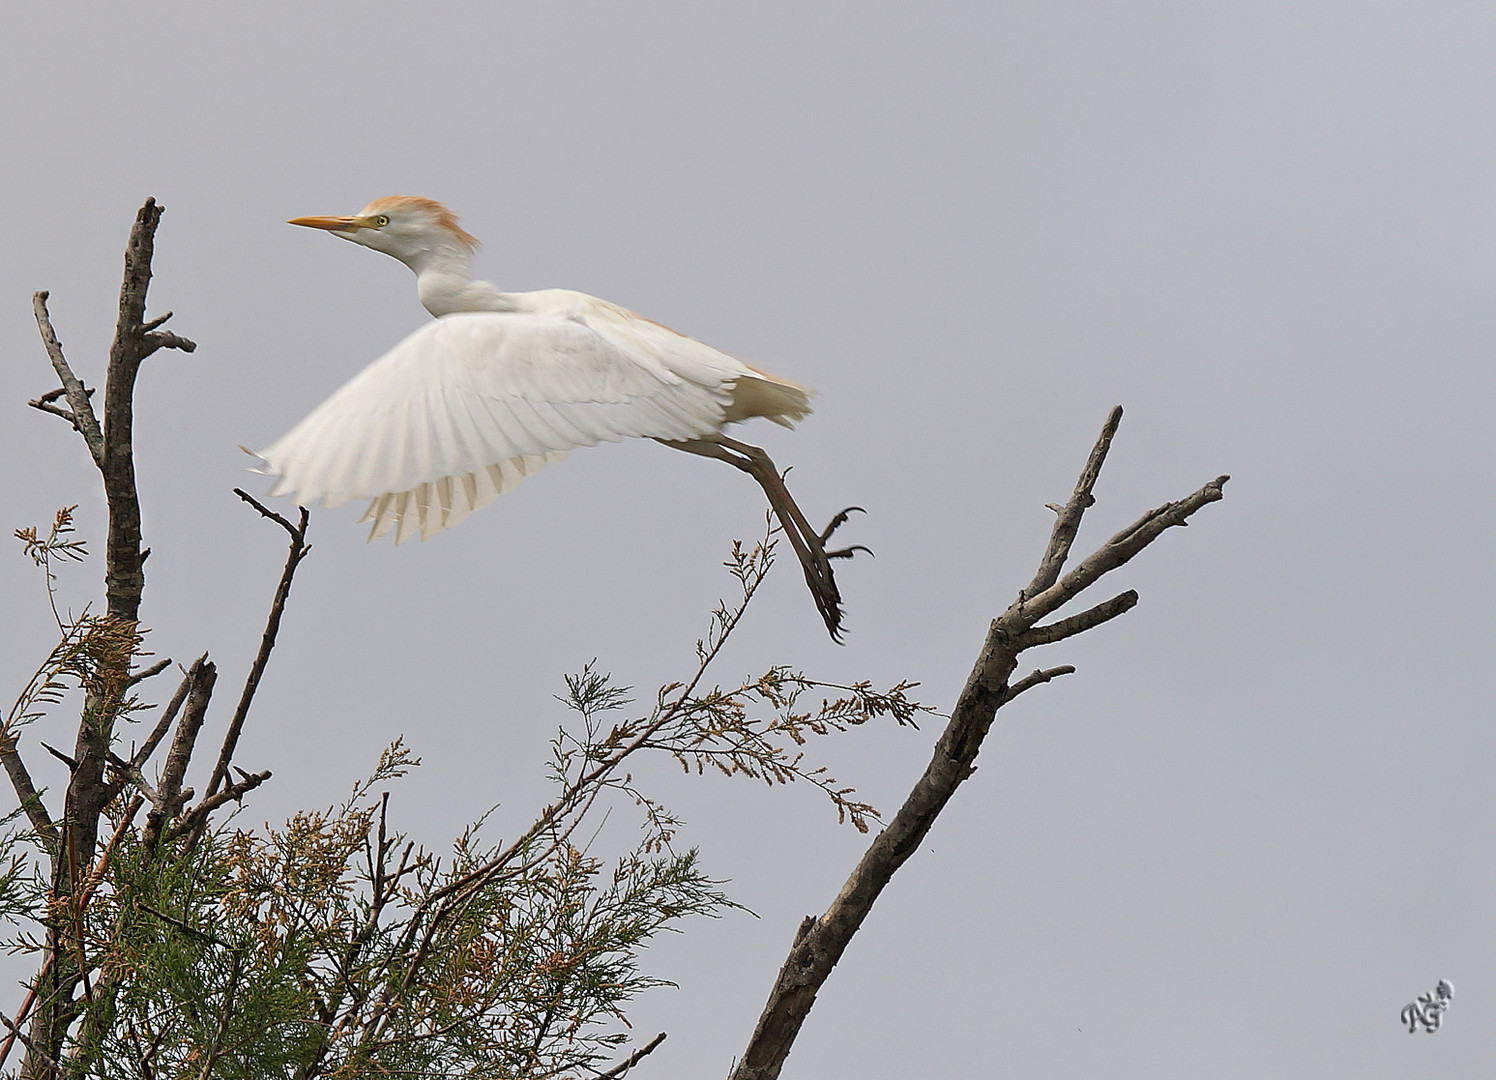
{"type": "Point", "coordinates": [837, 522]}
{"type": "Point", "coordinates": [809, 545]}
{"type": "Point", "coordinates": [815, 560]}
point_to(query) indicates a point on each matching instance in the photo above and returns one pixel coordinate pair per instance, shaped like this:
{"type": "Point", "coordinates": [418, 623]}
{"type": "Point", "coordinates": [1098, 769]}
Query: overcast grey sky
{"type": "Point", "coordinates": [1257, 822]}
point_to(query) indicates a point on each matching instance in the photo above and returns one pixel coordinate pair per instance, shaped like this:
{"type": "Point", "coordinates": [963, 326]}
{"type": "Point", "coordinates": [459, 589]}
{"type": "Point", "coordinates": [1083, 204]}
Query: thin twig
{"type": "Point", "coordinates": [1037, 678]}
{"type": "Point", "coordinates": [198, 815]}
{"type": "Point", "coordinates": [299, 551]}
{"type": "Point", "coordinates": [145, 673]}
{"type": "Point", "coordinates": [633, 1059]}
{"type": "Point", "coordinates": [31, 1048]}
{"type": "Point", "coordinates": [127, 773]}
{"type": "Point", "coordinates": [25, 1008]}
{"type": "Point", "coordinates": [82, 417]}
{"type": "Point", "coordinates": [216, 1050]}
{"type": "Point", "coordinates": [201, 935]}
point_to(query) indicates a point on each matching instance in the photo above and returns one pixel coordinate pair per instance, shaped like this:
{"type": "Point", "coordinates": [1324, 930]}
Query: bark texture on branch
{"type": "Point", "coordinates": [73, 834]}
{"type": "Point", "coordinates": [112, 449]}
{"type": "Point", "coordinates": [820, 942]}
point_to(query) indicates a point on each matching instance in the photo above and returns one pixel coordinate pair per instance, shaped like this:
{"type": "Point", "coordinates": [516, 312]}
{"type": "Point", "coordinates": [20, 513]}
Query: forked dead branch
{"type": "Point", "coordinates": [820, 941]}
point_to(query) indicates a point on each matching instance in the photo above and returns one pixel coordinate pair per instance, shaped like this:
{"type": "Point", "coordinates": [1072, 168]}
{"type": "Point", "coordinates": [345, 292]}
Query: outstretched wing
{"type": "Point", "coordinates": [467, 406]}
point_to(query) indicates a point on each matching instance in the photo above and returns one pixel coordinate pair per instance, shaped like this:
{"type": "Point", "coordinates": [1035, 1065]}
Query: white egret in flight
{"type": "Point", "coordinates": [502, 383]}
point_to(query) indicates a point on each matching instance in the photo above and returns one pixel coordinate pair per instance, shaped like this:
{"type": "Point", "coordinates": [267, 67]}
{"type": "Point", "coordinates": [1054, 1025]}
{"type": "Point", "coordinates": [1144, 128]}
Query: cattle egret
{"type": "Point", "coordinates": [502, 383]}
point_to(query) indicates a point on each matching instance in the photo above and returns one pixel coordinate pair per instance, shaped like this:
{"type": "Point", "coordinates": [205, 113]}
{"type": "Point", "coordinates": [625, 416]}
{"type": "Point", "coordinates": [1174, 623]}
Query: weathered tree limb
{"type": "Point", "coordinates": [1067, 521]}
{"type": "Point", "coordinates": [820, 942]}
{"type": "Point", "coordinates": [1120, 549]}
{"type": "Point", "coordinates": [112, 449]}
{"type": "Point", "coordinates": [169, 792]}
{"type": "Point", "coordinates": [124, 578]}
{"type": "Point", "coordinates": [127, 771]}
{"type": "Point", "coordinates": [1079, 624]}
{"type": "Point", "coordinates": [74, 836]}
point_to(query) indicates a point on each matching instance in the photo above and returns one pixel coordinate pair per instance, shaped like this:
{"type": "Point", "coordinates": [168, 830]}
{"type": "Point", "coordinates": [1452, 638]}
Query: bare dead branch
{"type": "Point", "coordinates": [30, 798]}
{"type": "Point", "coordinates": [145, 673]}
{"type": "Point", "coordinates": [1067, 520]}
{"type": "Point", "coordinates": [127, 771]}
{"type": "Point", "coordinates": [56, 411]}
{"type": "Point", "coordinates": [124, 577]}
{"type": "Point", "coordinates": [110, 444]}
{"type": "Point", "coordinates": [163, 725]}
{"type": "Point", "coordinates": [633, 1059]}
{"type": "Point", "coordinates": [170, 795]}
{"type": "Point", "coordinates": [820, 942]}
{"type": "Point", "coordinates": [1079, 624]}
{"type": "Point", "coordinates": [198, 815]}
{"type": "Point", "coordinates": [82, 417]}
{"type": "Point", "coordinates": [164, 339]}
{"type": "Point", "coordinates": [1038, 678]}
{"type": "Point", "coordinates": [71, 763]}
{"type": "Point", "coordinates": [299, 551]}
{"type": "Point", "coordinates": [1121, 548]}
{"type": "Point", "coordinates": [266, 512]}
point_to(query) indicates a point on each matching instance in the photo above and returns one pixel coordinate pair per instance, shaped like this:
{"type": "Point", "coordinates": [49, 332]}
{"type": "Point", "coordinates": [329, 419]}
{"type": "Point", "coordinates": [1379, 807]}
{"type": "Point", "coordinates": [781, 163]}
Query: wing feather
{"type": "Point", "coordinates": [470, 404]}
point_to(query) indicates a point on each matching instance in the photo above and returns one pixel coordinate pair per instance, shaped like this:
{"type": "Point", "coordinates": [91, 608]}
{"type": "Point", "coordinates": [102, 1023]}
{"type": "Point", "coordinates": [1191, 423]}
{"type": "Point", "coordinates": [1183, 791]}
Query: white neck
{"type": "Point", "coordinates": [444, 282]}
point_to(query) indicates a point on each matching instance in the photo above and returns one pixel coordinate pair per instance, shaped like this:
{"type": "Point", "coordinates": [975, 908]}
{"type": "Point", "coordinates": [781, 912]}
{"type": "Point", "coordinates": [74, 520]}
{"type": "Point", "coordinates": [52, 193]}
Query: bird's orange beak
{"type": "Point", "coordinates": [331, 224]}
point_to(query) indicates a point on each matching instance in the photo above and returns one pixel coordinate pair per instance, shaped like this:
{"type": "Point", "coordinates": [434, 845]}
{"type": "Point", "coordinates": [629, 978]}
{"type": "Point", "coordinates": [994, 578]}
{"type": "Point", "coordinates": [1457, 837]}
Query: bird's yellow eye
{"type": "Point", "coordinates": [381, 221]}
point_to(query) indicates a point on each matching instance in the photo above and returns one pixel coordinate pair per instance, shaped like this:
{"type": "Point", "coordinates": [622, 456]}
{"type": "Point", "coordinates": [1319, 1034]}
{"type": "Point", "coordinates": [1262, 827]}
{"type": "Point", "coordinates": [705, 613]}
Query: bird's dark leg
{"type": "Point", "coordinates": [809, 545]}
